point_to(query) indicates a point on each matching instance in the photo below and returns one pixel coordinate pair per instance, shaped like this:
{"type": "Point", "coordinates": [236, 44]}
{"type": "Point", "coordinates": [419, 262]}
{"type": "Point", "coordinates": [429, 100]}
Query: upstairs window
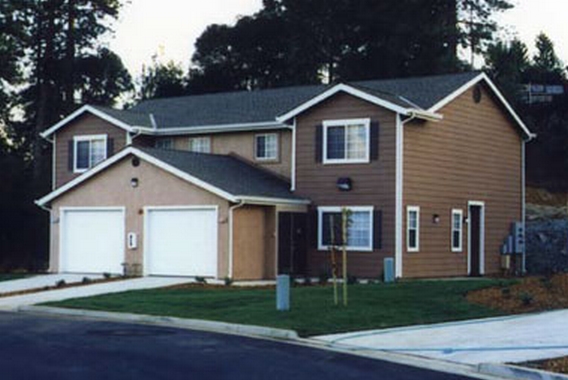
{"type": "Point", "coordinates": [266, 147]}
{"type": "Point", "coordinates": [346, 141]}
{"type": "Point", "coordinates": [88, 151]}
{"type": "Point", "coordinates": [413, 228]}
{"type": "Point", "coordinates": [457, 230]}
{"type": "Point", "coordinates": [200, 144]}
{"type": "Point", "coordinates": [359, 232]}
{"type": "Point", "coordinates": [164, 143]}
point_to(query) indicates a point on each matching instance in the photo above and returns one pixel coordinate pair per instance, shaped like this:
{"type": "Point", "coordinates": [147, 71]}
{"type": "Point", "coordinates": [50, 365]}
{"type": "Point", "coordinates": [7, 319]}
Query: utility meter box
{"type": "Point", "coordinates": [518, 237]}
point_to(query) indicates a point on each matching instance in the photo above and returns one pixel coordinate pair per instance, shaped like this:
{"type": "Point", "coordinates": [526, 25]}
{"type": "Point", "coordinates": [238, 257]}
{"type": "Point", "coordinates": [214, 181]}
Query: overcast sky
{"type": "Point", "coordinates": [170, 27]}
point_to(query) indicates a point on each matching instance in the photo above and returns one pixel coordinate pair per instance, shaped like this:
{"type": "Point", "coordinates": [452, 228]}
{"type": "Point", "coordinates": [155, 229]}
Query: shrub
{"type": "Point", "coordinates": [323, 278]}
{"type": "Point", "coordinates": [228, 281]}
{"type": "Point", "coordinates": [200, 280]}
{"type": "Point", "coordinates": [106, 275]}
{"type": "Point", "coordinates": [307, 280]}
{"type": "Point", "coordinates": [60, 283]}
{"type": "Point", "coordinates": [86, 280]}
{"type": "Point", "coordinates": [506, 292]}
{"type": "Point", "coordinates": [526, 298]}
{"type": "Point", "coordinates": [352, 280]}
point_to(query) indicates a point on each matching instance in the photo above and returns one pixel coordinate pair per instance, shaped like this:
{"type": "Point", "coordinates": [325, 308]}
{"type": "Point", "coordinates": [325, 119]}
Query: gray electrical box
{"type": "Point", "coordinates": [518, 237]}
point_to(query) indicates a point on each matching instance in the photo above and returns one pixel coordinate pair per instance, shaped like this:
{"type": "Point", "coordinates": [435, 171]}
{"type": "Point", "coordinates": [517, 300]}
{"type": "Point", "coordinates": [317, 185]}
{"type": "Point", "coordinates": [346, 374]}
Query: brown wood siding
{"type": "Point", "coordinates": [240, 144]}
{"type": "Point", "coordinates": [474, 154]}
{"type": "Point", "coordinates": [86, 124]}
{"type": "Point", "coordinates": [373, 183]}
{"type": "Point", "coordinates": [253, 243]}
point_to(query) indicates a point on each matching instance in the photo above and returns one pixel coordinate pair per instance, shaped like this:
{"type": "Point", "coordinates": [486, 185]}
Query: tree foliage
{"type": "Point", "coordinates": [162, 80]}
{"type": "Point", "coordinates": [308, 41]}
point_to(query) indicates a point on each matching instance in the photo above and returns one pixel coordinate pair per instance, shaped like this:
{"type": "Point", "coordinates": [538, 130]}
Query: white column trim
{"type": "Point", "coordinates": [398, 196]}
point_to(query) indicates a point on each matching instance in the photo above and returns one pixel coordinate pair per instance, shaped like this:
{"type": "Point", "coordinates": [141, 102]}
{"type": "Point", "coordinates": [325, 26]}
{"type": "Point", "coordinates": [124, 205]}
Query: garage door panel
{"type": "Point", "coordinates": [181, 242]}
{"type": "Point", "coordinates": [92, 241]}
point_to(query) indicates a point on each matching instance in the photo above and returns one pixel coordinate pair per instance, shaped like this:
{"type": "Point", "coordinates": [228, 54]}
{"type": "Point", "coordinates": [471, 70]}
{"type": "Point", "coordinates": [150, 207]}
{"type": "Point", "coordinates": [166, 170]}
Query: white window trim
{"type": "Point", "coordinates": [277, 151]}
{"type": "Point", "coordinates": [344, 123]}
{"type": "Point", "coordinates": [410, 209]}
{"type": "Point", "coordinates": [191, 139]}
{"type": "Point", "coordinates": [77, 139]}
{"type": "Point", "coordinates": [324, 209]}
{"type": "Point", "coordinates": [452, 230]}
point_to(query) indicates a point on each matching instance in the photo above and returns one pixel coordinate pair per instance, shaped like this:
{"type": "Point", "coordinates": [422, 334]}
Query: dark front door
{"type": "Point", "coordinates": [291, 243]}
{"type": "Point", "coordinates": [475, 242]}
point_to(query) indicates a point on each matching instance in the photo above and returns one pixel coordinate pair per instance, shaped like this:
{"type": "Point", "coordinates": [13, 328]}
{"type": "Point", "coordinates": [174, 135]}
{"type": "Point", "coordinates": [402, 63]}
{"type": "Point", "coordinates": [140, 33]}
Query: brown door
{"type": "Point", "coordinates": [475, 240]}
{"type": "Point", "coordinates": [291, 243]}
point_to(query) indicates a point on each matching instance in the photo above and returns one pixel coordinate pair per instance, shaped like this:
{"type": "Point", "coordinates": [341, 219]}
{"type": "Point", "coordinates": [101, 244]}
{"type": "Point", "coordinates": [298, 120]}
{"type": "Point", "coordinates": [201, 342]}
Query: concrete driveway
{"type": "Point", "coordinates": [512, 339]}
{"type": "Point", "coordinates": [14, 302]}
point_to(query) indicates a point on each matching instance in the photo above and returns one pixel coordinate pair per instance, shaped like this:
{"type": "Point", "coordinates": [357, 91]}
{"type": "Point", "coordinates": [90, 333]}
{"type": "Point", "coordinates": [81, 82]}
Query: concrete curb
{"type": "Point", "coordinates": [482, 371]}
{"type": "Point", "coordinates": [183, 323]}
{"type": "Point", "coordinates": [516, 372]}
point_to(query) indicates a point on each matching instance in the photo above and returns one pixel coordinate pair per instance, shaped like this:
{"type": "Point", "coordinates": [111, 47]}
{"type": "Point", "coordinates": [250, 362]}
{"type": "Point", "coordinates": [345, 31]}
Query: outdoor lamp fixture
{"type": "Point", "coordinates": [435, 218]}
{"type": "Point", "coordinates": [134, 182]}
{"type": "Point", "coordinates": [344, 184]}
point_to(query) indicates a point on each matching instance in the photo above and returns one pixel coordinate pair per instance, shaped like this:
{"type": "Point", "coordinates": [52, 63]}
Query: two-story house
{"type": "Point", "coordinates": [250, 184]}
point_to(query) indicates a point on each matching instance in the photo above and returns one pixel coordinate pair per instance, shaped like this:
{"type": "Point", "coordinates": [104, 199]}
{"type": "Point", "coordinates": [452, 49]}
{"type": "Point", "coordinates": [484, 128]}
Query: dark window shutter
{"type": "Point", "coordinates": [374, 141]}
{"type": "Point", "coordinates": [110, 147]}
{"type": "Point", "coordinates": [377, 229]}
{"type": "Point", "coordinates": [313, 228]}
{"type": "Point", "coordinates": [319, 143]}
{"type": "Point", "coordinates": [70, 154]}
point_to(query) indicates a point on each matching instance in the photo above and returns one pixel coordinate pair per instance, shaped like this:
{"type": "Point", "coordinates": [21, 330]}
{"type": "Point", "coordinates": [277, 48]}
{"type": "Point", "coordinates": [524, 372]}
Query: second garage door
{"type": "Point", "coordinates": [181, 241]}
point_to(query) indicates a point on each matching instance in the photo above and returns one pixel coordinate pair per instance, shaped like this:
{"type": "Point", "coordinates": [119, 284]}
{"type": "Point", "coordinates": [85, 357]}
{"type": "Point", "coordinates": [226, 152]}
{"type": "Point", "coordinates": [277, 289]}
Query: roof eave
{"type": "Point", "coordinates": [86, 108]}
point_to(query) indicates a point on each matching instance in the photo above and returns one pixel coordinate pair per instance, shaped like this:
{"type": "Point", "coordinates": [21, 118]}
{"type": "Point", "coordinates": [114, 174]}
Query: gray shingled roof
{"type": "Point", "coordinates": [263, 106]}
{"type": "Point", "coordinates": [227, 173]}
{"type": "Point", "coordinates": [129, 117]}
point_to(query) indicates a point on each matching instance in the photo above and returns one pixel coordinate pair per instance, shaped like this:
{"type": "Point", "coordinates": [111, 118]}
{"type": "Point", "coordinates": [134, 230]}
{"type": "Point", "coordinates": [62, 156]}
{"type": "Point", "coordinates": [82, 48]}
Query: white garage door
{"type": "Point", "coordinates": [92, 240]}
{"type": "Point", "coordinates": [181, 242]}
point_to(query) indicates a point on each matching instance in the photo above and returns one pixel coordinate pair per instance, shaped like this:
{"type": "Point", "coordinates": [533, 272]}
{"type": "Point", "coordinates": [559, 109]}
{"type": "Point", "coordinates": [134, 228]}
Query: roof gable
{"type": "Point", "coordinates": [224, 176]}
{"type": "Point", "coordinates": [96, 111]}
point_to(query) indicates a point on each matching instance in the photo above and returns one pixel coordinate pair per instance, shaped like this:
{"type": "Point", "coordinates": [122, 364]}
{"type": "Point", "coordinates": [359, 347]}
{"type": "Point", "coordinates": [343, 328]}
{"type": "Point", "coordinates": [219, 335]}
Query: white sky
{"type": "Point", "coordinates": [170, 27]}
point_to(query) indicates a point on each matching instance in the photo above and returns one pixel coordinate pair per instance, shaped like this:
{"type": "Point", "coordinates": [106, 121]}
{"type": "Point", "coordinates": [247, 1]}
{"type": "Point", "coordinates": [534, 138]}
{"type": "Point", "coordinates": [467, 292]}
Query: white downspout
{"type": "Point", "coordinates": [231, 209]}
{"type": "Point", "coordinates": [523, 208]}
{"type": "Point", "coordinates": [293, 159]}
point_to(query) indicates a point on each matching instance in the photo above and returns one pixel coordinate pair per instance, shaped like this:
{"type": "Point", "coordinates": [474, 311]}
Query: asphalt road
{"type": "Point", "coordinates": [56, 348]}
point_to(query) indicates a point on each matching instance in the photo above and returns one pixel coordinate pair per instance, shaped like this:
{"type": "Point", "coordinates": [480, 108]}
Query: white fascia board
{"type": "Point", "coordinates": [79, 112]}
{"type": "Point", "coordinates": [271, 201]}
{"type": "Point", "coordinates": [213, 128]}
{"type": "Point", "coordinates": [342, 88]}
{"type": "Point", "coordinates": [146, 157]}
{"type": "Point", "coordinates": [483, 77]}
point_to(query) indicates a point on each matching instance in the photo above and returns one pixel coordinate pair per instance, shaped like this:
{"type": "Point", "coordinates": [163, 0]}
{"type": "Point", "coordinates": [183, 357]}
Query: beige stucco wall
{"type": "Point", "coordinates": [156, 188]}
{"type": "Point", "coordinates": [242, 144]}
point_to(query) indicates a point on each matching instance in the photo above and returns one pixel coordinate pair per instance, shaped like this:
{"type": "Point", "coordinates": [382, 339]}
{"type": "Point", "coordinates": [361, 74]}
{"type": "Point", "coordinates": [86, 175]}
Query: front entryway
{"type": "Point", "coordinates": [291, 243]}
{"type": "Point", "coordinates": [476, 213]}
{"type": "Point", "coordinates": [92, 240]}
{"type": "Point", "coordinates": [181, 241]}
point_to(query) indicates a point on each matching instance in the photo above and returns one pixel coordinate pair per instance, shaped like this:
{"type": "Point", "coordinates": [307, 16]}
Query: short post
{"type": "Point", "coordinates": [388, 270]}
{"type": "Point", "coordinates": [283, 292]}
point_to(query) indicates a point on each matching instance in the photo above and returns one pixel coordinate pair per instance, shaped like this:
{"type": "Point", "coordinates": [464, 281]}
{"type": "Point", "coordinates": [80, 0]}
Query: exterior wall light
{"type": "Point", "coordinates": [344, 184]}
{"type": "Point", "coordinates": [435, 218]}
{"type": "Point", "coordinates": [134, 182]}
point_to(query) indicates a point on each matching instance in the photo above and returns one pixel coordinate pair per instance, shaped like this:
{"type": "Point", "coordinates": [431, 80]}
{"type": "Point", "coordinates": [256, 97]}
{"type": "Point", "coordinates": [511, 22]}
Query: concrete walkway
{"type": "Point", "coordinates": [12, 303]}
{"type": "Point", "coordinates": [512, 339]}
{"type": "Point", "coordinates": [41, 281]}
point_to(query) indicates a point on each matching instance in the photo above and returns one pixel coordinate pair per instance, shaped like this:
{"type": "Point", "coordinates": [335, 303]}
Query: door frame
{"type": "Point", "coordinates": [148, 209]}
{"type": "Point", "coordinates": [481, 206]}
{"type": "Point", "coordinates": [62, 212]}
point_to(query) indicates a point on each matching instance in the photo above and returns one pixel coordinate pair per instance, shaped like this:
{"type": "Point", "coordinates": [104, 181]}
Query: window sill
{"type": "Point", "coordinates": [349, 249]}
{"type": "Point", "coordinates": [345, 162]}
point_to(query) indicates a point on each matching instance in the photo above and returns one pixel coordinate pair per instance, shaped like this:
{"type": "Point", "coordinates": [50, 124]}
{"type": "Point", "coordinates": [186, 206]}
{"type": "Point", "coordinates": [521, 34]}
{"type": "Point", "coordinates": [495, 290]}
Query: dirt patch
{"type": "Point", "coordinates": [530, 294]}
{"type": "Point", "coordinates": [63, 285]}
{"type": "Point", "coordinates": [558, 365]}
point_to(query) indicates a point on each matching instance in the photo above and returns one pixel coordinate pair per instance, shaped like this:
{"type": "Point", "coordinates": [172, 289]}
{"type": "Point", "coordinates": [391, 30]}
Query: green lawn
{"type": "Point", "coordinates": [313, 312]}
{"type": "Point", "coordinates": [11, 276]}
